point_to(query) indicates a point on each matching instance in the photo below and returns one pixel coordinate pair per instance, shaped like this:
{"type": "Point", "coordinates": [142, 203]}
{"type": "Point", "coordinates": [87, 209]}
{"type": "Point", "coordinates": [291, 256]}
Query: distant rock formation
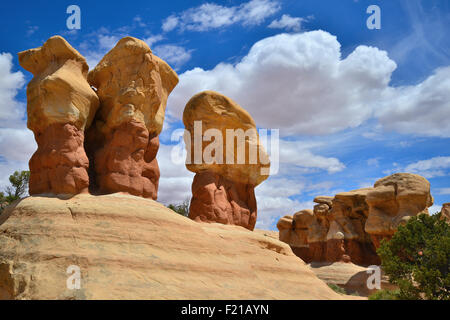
{"type": "Point", "coordinates": [127, 247]}
{"type": "Point", "coordinates": [61, 106]}
{"type": "Point", "coordinates": [393, 201]}
{"type": "Point", "coordinates": [349, 226]}
{"type": "Point", "coordinates": [223, 187]}
{"type": "Point", "coordinates": [445, 212]}
{"type": "Point", "coordinates": [133, 86]}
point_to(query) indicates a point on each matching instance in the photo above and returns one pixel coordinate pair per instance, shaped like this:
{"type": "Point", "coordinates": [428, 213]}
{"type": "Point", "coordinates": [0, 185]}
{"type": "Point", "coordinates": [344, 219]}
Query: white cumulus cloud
{"type": "Point", "coordinates": [296, 82]}
{"type": "Point", "coordinates": [287, 22]}
{"type": "Point", "coordinates": [210, 16]}
{"type": "Point", "coordinates": [175, 55]}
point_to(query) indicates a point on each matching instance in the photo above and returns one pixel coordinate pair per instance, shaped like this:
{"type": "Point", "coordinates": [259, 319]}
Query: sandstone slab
{"type": "Point", "coordinates": [134, 248]}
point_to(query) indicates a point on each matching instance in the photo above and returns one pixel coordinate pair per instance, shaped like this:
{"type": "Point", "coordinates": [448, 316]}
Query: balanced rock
{"type": "Point", "coordinates": [393, 200]}
{"type": "Point", "coordinates": [133, 85]}
{"type": "Point", "coordinates": [60, 107]}
{"type": "Point", "coordinates": [226, 172]}
{"type": "Point", "coordinates": [128, 247]}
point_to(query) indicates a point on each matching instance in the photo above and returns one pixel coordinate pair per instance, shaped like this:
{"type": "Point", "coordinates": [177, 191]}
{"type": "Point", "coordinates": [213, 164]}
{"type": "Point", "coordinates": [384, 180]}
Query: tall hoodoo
{"type": "Point", "coordinates": [224, 151]}
{"type": "Point", "coordinates": [60, 107]}
{"type": "Point", "coordinates": [133, 85]}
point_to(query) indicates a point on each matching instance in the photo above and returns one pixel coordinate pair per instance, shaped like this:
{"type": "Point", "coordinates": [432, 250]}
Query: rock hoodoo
{"type": "Point", "coordinates": [133, 86]}
{"type": "Point", "coordinates": [393, 200]}
{"type": "Point", "coordinates": [224, 151]}
{"type": "Point", "coordinates": [60, 107]}
{"type": "Point", "coordinates": [349, 226]}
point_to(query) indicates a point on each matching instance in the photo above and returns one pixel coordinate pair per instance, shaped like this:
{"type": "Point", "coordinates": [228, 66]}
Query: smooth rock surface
{"type": "Point", "coordinates": [352, 278]}
{"type": "Point", "coordinates": [134, 248]}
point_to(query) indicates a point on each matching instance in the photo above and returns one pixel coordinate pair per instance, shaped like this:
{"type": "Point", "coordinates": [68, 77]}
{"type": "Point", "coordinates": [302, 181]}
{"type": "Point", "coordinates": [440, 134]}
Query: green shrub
{"type": "Point", "coordinates": [417, 258]}
{"type": "Point", "coordinates": [385, 295]}
{"type": "Point", "coordinates": [182, 209]}
{"type": "Point", "coordinates": [336, 288]}
{"type": "Point", "coordinates": [17, 189]}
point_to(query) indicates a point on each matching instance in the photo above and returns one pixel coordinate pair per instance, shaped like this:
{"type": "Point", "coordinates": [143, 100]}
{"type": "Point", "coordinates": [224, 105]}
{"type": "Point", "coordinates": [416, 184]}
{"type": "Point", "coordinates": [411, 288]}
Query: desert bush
{"type": "Point", "coordinates": [417, 258]}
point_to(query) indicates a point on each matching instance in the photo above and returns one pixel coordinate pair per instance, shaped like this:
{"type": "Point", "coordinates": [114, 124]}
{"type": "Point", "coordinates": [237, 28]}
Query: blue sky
{"type": "Point", "coordinates": [352, 104]}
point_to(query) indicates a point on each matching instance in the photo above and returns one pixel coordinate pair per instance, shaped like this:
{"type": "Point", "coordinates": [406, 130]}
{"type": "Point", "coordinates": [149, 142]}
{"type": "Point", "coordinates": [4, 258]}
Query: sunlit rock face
{"type": "Point", "coordinates": [60, 107]}
{"type": "Point", "coordinates": [133, 85]}
{"type": "Point", "coordinates": [223, 187]}
{"type": "Point", "coordinates": [349, 226]}
{"type": "Point", "coordinates": [393, 200]}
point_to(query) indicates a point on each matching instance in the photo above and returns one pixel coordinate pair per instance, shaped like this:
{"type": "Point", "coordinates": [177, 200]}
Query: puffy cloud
{"type": "Point", "coordinates": [419, 109]}
{"type": "Point", "coordinates": [287, 22]}
{"type": "Point", "coordinates": [305, 75]}
{"type": "Point", "coordinates": [298, 153]}
{"type": "Point", "coordinates": [430, 168]}
{"type": "Point", "coordinates": [173, 54]}
{"type": "Point", "coordinates": [11, 110]}
{"type": "Point", "coordinates": [16, 142]}
{"type": "Point", "coordinates": [210, 16]}
{"type": "Point", "coordinates": [175, 181]}
{"type": "Point", "coordinates": [153, 39]}
{"type": "Point", "coordinates": [297, 74]}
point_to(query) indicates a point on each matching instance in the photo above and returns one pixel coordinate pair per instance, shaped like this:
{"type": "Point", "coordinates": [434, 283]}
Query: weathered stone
{"type": "Point", "coordinates": [60, 107]}
{"type": "Point", "coordinates": [217, 199]}
{"type": "Point", "coordinates": [133, 85]}
{"type": "Point", "coordinates": [445, 212]}
{"type": "Point", "coordinates": [393, 200]}
{"type": "Point", "coordinates": [324, 199]}
{"type": "Point", "coordinates": [128, 247]}
{"type": "Point", "coordinates": [223, 189]}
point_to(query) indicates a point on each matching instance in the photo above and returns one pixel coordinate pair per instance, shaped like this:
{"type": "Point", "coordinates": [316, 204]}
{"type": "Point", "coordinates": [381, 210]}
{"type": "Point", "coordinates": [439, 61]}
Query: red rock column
{"type": "Point", "coordinates": [127, 162]}
{"type": "Point", "coordinates": [216, 199]}
{"type": "Point", "coordinates": [59, 166]}
{"type": "Point", "coordinates": [60, 106]}
{"type": "Point", "coordinates": [133, 86]}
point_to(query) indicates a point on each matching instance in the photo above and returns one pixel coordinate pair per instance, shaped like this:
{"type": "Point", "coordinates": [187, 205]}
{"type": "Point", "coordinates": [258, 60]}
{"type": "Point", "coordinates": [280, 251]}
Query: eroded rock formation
{"type": "Point", "coordinates": [445, 212]}
{"type": "Point", "coordinates": [133, 86]}
{"type": "Point", "coordinates": [223, 187]}
{"type": "Point", "coordinates": [393, 200]}
{"type": "Point", "coordinates": [133, 248]}
{"type": "Point", "coordinates": [349, 226]}
{"type": "Point", "coordinates": [60, 107]}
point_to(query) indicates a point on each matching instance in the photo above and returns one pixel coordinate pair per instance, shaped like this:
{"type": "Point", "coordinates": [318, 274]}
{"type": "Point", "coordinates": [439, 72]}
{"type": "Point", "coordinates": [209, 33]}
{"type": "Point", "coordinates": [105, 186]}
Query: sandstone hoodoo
{"type": "Point", "coordinates": [133, 85]}
{"type": "Point", "coordinates": [349, 226]}
{"type": "Point", "coordinates": [60, 107]}
{"type": "Point", "coordinates": [393, 200]}
{"type": "Point", "coordinates": [224, 151]}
